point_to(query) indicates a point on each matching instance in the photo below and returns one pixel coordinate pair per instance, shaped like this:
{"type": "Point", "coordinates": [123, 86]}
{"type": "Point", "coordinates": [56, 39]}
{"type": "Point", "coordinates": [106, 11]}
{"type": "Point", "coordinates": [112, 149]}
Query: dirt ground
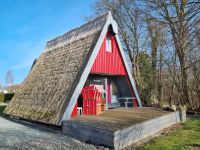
{"type": "Point", "coordinates": [15, 136]}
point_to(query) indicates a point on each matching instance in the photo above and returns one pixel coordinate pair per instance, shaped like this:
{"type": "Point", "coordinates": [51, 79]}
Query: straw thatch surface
{"type": "Point", "coordinates": [46, 91]}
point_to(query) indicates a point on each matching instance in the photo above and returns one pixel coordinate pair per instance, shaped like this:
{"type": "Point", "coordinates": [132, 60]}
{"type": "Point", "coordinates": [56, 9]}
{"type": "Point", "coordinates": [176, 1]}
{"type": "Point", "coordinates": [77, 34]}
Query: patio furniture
{"type": "Point", "coordinates": [125, 101]}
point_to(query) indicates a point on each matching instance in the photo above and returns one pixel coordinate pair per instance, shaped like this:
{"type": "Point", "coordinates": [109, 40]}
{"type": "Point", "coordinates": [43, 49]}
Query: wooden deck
{"type": "Point", "coordinates": [115, 119]}
{"type": "Point", "coordinates": [121, 127]}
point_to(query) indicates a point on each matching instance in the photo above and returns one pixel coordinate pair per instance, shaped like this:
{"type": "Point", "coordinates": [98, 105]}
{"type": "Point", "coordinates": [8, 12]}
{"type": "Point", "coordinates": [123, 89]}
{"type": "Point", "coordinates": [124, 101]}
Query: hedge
{"type": "Point", "coordinates": [2, 109]}
{"type": "Point", "coordinates": [6, 97]}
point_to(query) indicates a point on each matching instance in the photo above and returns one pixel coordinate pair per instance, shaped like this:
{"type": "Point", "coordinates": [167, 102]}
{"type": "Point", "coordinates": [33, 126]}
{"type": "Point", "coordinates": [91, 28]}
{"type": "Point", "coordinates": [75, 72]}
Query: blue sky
{"type": "Point", "coordinates": [26, 25]}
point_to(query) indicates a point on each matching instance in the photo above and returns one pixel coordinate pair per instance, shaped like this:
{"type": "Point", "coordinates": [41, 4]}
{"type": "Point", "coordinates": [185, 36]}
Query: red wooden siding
{"type": "Point", "coordinates": [109, 62]}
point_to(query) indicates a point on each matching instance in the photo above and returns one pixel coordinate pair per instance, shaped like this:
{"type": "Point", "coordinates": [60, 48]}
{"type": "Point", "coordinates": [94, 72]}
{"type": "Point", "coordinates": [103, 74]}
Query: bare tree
{"type": "Point", "coordinates": [154, 32]}
{"type": "Point", "coordinates": [180, 16]}
{"type": "Point", "coordinates": [1, 89]}
{"type": "Point", "coordinates": [162, 40]}
{"type": "Point", "coordinates": [9, 79]}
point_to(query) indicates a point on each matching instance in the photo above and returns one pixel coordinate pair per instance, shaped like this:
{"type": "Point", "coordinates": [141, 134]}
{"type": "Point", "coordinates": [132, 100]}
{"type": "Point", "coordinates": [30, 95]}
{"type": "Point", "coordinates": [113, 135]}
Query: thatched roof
{"type": "Point", "coordinates": [46, 92]}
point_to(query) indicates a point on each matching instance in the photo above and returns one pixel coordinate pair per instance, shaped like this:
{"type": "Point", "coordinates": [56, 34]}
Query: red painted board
{"type": "Point", "coordinates": [109, 62]}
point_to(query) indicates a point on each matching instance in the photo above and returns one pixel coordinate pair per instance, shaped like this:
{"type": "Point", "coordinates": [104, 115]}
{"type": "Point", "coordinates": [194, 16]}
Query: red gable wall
{"type": "Point", "coordinates": [109, 62]}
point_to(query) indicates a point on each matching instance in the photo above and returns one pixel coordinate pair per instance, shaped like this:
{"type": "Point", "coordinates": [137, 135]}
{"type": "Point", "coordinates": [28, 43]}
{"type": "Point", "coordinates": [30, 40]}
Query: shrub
{"type": "Point", "coordinates": [2, 109]}
{"type": "Point", "coordinates": [6, 97]}
{"type": "Point", "coordinates": [2, 97]}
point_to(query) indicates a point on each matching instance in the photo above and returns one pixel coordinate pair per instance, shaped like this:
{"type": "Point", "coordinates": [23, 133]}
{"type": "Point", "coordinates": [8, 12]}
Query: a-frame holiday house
{"type": "Point", "coordinates": [89, 58]}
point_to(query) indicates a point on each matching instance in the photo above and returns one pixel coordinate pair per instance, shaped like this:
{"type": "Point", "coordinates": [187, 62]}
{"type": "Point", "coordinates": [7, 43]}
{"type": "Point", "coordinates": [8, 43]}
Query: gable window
{"type": "Point", "coordinates": [108, 45]}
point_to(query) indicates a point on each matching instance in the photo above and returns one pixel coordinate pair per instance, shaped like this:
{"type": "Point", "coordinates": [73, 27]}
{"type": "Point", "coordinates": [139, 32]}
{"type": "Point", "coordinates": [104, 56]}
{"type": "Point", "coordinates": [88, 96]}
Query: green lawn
{"type": "Point", "coordinates": [187, 138]}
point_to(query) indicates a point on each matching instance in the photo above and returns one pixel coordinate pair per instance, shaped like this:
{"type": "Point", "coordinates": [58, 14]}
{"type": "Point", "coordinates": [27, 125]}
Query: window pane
{"type": "Point", "coordinates": [108, 45]}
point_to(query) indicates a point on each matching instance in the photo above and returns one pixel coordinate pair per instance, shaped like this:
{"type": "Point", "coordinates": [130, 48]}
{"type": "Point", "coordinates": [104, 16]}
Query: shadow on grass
{"type": "Point", "coordinates": [194, 145]}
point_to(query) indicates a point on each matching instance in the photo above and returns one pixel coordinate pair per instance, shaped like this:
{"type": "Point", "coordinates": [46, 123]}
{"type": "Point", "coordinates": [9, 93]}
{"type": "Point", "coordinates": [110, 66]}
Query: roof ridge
{"type": "Point", "coordinates": [78, 32]}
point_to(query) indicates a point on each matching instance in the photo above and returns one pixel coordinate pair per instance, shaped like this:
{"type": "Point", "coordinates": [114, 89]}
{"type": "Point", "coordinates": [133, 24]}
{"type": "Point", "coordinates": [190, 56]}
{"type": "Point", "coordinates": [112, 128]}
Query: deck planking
{"type": "Point", "coordinates": [115, 119]}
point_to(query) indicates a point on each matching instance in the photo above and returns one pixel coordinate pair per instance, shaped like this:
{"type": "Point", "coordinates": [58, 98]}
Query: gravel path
{"type": "Point", "coordinates": [17, 136]}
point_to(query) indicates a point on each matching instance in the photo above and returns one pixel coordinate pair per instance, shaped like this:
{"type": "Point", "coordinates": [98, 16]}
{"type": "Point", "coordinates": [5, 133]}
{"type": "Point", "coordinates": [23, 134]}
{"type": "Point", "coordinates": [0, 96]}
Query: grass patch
{"type": "Point", "coordinates": [186, 138]}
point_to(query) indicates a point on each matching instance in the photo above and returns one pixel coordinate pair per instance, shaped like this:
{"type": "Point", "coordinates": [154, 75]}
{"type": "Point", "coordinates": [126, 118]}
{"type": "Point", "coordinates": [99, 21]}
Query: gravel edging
{"type": "Point", "coordinates": [16, 136]}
